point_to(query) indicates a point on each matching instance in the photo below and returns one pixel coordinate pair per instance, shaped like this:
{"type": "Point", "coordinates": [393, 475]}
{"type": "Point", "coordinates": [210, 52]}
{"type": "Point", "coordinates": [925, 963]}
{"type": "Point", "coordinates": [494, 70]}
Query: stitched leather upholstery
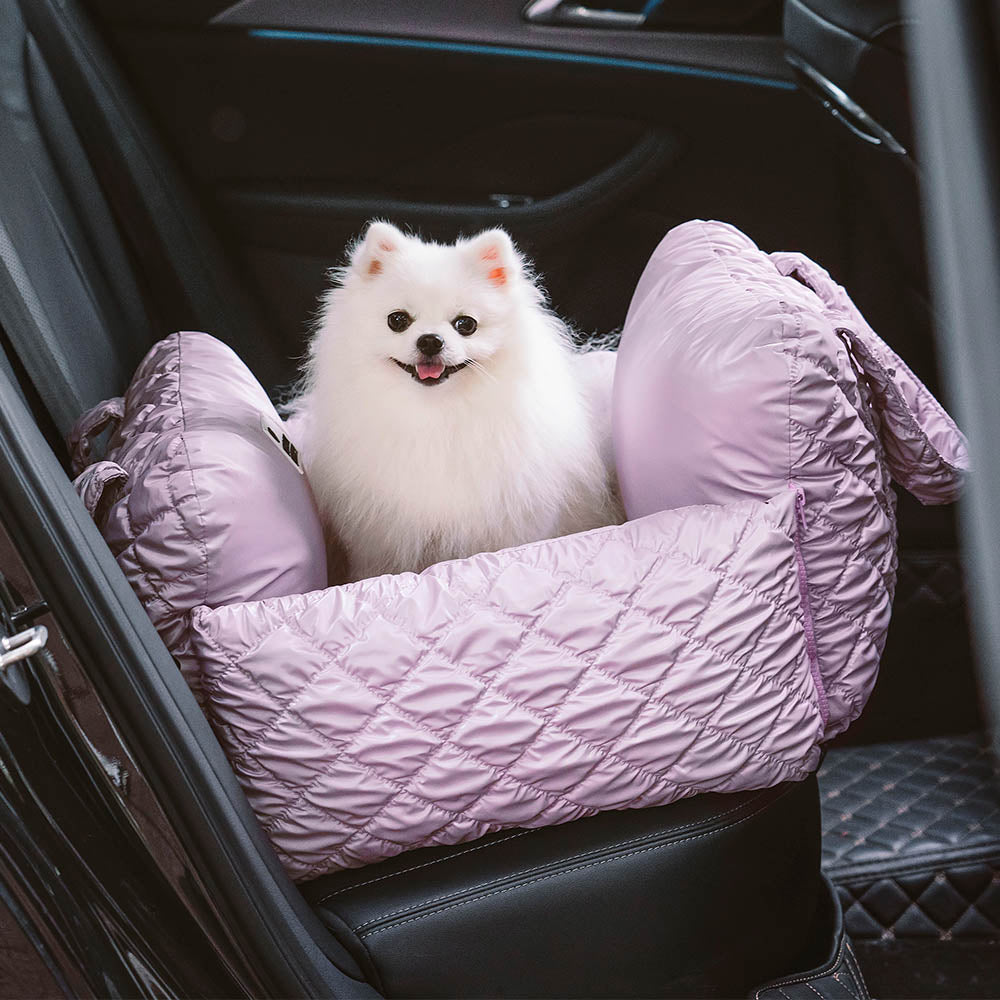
{"type": "Point", "coordinates": [911, 836]}
{"type": "Point", "coordinates": [836, 977]}
{"type": "Point", "coordinates": [842, 981]}
{"type": "Point", "coordinates": [710, 895]}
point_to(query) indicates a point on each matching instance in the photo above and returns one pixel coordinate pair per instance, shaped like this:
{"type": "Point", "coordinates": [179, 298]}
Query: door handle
{"type": "Point", "coordinates": [846, 111]}
{"type": "Point", "coordinates": [567, 12]}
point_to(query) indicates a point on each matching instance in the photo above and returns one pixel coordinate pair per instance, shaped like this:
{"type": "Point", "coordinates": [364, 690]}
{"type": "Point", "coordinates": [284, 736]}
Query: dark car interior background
{"type": "Point", "coordinates": [200, 164]}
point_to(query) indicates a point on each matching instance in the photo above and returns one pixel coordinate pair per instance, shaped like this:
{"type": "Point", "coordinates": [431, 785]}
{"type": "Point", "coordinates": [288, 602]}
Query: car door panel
{"type": "Point", "coordinates": [297, 141]}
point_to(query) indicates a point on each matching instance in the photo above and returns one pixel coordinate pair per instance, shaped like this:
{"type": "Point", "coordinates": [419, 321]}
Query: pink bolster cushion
{"type": "Point", "coordinates": [197, 498]}
{"type": "Point", "coordinates": [741, 372]}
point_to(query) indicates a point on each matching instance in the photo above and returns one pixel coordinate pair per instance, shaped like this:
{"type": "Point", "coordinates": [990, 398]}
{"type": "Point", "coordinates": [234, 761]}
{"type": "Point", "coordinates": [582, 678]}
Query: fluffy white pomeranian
{"type": "Point", "coordinates": [443, 409]}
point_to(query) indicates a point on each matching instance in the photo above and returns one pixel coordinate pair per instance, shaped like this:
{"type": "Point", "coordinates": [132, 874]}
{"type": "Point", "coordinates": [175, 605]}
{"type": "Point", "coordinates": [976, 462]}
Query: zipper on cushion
{"type": "Point", "coordinates": [808, 623]}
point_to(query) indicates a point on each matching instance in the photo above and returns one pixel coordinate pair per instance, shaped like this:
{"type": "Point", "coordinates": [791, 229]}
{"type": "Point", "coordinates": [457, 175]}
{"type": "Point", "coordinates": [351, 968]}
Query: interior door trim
{"type": "Point", "coordinates": [499, 23]}
{"type": "Point", "coordinates": [520, 52]}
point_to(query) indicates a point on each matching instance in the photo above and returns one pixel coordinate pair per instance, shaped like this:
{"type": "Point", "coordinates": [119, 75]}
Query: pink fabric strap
{"type": "Point", "coordinates": [89, 426]}
{"type": "Point", "coordinates": [98, 486]}
{"type": "Point", "coordinates": [926, 452]}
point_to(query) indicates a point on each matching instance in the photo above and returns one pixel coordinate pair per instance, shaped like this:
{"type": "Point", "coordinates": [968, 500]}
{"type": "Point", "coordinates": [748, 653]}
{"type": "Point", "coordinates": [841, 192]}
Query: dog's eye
{"type": "Point", "coordinates": [465, 325]}
{"type": "Point", "coordinates": [399, 320]}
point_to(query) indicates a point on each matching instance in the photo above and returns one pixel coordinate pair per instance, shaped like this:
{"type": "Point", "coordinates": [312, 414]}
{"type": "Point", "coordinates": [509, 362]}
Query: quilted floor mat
{"type": "Point", "coordinates": [911, 838]}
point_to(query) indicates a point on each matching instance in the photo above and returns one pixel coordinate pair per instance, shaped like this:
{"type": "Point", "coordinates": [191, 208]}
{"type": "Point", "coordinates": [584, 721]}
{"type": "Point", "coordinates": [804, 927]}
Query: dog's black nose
{"type": "Point", "coordinates": [429, 344]}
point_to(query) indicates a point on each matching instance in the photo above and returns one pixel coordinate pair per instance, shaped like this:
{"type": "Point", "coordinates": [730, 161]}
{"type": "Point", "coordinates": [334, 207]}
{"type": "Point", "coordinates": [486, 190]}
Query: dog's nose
{"type": "Point", "coordinates": [429, 344]}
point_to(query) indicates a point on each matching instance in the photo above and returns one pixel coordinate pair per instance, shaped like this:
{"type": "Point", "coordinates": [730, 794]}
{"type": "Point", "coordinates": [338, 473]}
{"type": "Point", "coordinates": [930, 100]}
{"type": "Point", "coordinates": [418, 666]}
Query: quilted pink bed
{"type": "Point", "coordinates": [711, 643]}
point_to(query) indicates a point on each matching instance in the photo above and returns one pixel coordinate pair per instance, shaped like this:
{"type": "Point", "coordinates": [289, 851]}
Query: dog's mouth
{"type": "Point", "coordinates": [431, 372]}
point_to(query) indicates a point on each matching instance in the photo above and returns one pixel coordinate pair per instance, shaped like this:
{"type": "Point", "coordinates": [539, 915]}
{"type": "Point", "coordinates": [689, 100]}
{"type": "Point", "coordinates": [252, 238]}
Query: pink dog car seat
{"type": "Point", "coordinates": [712, 643]}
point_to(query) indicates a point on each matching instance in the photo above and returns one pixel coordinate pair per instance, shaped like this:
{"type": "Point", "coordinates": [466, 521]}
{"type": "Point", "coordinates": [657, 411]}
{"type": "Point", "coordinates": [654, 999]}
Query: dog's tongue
{"type": "Point", "coordinates": [430, 369]}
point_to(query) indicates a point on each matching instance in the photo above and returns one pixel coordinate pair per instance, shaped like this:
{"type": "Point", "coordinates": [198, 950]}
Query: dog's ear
{"type": "Point", "coordinates": [493, 255]}
{"type": "Point", "coordinates": [381, 240]}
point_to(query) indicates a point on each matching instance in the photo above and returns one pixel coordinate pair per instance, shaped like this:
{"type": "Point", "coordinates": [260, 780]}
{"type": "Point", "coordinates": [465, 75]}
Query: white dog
{"type": "Point", "coordinates": [444, 411]}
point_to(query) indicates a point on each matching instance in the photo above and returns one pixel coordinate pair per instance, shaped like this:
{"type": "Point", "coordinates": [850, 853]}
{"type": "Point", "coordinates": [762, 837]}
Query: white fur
{"type": "Point", "coordinates": [504, 451]}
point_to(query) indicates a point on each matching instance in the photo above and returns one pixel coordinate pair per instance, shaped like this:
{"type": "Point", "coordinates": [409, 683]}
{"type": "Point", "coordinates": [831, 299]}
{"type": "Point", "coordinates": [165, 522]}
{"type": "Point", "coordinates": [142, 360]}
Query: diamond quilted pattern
{"type": "Point", "coordinates": [911, 836]}
{"type": "Point", "coordinates": [842, 982]}
{"type": "Point", "coordinates": [560, 719]}
{"type": "Point", "coordinates": [183, 534]}
{"type": "Point", "coordinates": [920, 796]}
{"type": "Point", "coordinates": [960, 902]}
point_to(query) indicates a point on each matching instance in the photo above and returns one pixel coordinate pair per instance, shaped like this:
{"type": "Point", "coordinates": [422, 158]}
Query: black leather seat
{"type": "Point", "coordinates": [705, 897]}
{"type": "Point", "coordinates": [709, 896]}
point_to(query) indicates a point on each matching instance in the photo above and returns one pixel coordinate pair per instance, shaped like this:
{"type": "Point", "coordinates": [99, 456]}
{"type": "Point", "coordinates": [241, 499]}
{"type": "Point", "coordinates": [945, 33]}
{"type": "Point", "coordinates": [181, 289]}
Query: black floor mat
{"type": "Point", "coordinates": [911, 838]}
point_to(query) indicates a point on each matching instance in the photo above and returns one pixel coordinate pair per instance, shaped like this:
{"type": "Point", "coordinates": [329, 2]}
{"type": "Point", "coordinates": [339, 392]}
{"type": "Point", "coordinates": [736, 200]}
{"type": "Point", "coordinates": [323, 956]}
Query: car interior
{"type": "Point", "coordinates": [201, 164]}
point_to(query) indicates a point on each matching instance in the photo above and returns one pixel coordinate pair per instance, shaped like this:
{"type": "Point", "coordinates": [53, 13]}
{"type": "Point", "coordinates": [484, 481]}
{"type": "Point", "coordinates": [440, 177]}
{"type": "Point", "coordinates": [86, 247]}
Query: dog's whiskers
{"type": "Point", "coordinates": [479, 367]}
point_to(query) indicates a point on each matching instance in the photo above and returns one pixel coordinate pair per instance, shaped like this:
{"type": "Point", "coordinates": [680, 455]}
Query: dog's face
{"type": "Point", "coordinates": [432, 313]}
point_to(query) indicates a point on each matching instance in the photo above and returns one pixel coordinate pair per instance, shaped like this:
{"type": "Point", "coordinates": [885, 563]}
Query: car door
{"type": "Point", "coordinates": [300, 121]}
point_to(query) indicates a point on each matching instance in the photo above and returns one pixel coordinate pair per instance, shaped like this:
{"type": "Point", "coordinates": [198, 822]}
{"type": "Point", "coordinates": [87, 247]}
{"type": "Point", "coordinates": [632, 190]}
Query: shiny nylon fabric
{"type": "Point", "coordinates": [926, 453]}
{"type": "Point", "coordinates": [618, 668]}
{"type": "Point", "coordinates": [710, 644]}
{"type": "Point", "coordinates": [205, 508]}
{"type": "Point", "coordinates": [742, 372]}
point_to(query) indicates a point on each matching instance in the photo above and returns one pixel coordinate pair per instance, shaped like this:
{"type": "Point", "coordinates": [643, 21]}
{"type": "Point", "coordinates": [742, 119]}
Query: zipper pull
{"type": "Point", "coordinates": [800, 505]}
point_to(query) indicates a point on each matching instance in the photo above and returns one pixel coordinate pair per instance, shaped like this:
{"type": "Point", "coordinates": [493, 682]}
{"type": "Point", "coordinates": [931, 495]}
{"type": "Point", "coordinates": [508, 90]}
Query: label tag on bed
{"type": "Point", "coordinates": [277, 436]}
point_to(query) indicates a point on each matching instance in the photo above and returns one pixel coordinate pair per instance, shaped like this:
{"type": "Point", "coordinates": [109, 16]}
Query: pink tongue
{"type": "Point", "coordinates": [425, 370]}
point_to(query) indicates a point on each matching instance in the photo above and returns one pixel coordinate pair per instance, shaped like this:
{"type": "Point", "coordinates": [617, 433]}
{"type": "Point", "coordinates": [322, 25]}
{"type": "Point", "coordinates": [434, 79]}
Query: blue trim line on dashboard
{"type": "Point", "coordinates": [473, 48]}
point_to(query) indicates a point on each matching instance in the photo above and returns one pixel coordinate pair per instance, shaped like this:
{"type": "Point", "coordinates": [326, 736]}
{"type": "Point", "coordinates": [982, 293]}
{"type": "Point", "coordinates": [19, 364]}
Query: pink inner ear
{"type": "Point", "coordinates": [387, 247]}
{"type": "Point", "coordinates": [498, 276]}
{"type": "Point", "coordinates": [491, 254]}
{"type": "Point", "coordinates": [375, 267]}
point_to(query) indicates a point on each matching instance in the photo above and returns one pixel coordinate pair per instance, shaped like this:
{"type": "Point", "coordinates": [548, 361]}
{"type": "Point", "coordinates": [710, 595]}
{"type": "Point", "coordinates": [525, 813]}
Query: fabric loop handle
{"type": "Point", "coordinates": [89, 426]}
